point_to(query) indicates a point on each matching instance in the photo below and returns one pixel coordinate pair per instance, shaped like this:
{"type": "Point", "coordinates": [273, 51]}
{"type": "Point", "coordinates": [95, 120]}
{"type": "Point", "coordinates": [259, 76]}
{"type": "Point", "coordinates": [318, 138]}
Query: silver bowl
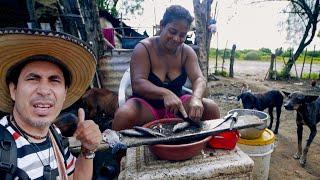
{"type": "Point", "coordinates": [254, 132]}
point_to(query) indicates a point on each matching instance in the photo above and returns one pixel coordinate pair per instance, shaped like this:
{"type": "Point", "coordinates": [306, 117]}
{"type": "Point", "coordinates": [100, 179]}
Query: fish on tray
{"type": "Point", "coordinates": [138, 131]}
{"type": "Point", "coordinates": [131, 133]}
{"type": "Point", "coordinates": [180, 126]}
{"type": "Point", "coordinates": [148, 131]}
{"type": "Point", "coordinates": [113, 139]}
{"type": "Point", "coordinates": [187, 122]}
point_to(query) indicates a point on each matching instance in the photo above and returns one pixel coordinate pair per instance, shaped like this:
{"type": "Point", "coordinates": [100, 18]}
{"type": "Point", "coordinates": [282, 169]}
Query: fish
{"type": "Point", "coordinates": [184, 125]}
{"type": "Point", "coordinates": [180, 126]}
{"type": "Point", "coordinates": [148, 131]}
{"type": "Point", "coordinates": [113, 140]}
{"type": "Point", "coordinates": [132, 133]}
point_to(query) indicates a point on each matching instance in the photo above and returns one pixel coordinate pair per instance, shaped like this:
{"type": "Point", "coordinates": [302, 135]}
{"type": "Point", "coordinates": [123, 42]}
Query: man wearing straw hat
{"type": "Point", "coordinates": [41, 74]}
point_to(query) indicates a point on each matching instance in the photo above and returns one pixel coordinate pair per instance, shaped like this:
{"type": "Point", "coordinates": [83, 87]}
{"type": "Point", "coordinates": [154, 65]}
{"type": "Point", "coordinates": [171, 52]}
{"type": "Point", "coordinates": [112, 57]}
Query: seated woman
{"type": "Point", "coordinates": [159, 68]}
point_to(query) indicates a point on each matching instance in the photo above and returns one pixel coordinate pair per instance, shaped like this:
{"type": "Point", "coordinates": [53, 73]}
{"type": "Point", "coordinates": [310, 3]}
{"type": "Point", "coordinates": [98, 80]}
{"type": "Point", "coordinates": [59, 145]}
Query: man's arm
{"type": "Point", "coordinates": [89, 135]}
{"type": "Point", "coordinates": [83, 169]}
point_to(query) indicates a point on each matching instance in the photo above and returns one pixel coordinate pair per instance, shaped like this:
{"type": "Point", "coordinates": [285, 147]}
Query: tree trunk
{"type": "Point", "coordinates": [202, 13]}
{"type": "Point", "coordinates": [308, 36]}
{"type": "Point", "coordinates": [90, 14]}
{"type": "Point", "coordinates": [233, 51]}
{"type": "Point", "coordinates": [32, 14]}
{"type": "Point", "coordinates": [304, 60]}
{"type": "Point", "coordinates": [69, 16]}
{"type": "Point", "coordinates": [271, 71]}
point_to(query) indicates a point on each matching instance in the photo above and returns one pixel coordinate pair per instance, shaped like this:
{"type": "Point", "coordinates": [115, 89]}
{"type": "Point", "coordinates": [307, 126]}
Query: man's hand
{"type": "Point", "coordinates": [87, 132]}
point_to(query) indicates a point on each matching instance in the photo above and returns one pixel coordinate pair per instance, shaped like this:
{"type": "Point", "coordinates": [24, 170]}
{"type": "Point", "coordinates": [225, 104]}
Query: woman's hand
{"type": "Point", "coordinates": [195, 108]}
{"type": "Point", "coordinates": [173, 104]}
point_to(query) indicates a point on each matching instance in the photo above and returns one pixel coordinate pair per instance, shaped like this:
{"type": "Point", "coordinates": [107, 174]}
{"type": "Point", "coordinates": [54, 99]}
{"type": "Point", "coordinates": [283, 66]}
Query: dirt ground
{"type": "Point", "coordinates": [282, 165]}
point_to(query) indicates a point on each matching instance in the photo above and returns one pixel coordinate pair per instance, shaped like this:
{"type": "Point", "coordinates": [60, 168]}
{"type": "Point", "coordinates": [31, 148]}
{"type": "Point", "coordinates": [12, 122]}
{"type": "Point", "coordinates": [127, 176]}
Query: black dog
{"type": "Point", "coordinates": [308, 113]}
{"type": "Point", "coordinates": [270, 99]}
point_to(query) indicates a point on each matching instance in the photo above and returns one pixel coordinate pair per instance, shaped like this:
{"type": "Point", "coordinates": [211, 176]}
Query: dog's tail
{"type": "Point", "coordinates": [283, 95]}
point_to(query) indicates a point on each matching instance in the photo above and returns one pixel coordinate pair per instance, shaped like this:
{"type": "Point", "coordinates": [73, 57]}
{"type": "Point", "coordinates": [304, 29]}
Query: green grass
{"type": "Point", "coordinates": [313, 76]}
{"type": "Point", "coordinates": [221, 73]}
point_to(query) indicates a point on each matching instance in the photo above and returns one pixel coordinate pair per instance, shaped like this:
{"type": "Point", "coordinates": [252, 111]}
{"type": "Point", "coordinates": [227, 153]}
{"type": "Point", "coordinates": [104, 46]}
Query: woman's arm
{"type": "Point", "coordinates": [198, 84]}
{"type": "Point", "coordinates": [194, 72]}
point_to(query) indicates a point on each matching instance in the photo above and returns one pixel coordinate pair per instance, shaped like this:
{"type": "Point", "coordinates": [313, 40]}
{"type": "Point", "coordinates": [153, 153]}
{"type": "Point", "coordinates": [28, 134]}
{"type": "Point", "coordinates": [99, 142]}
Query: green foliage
{"type": "Point", "coordinates": [281, 75]}
{"type": "Point", "coordinates": [265, 55]}
{"type": "Point", "coordinates": [278, 51]}
{"type": "Point", "coordinates": [221, 73]}
{"type": "Point", "coordinates": [130, 7]}
{"type": "Point", "coordinates": [133, 7]}
{"type": "Point", "coordinates": [252, 55]}
{"type": "Point", "coordinates": [313, 76]}
{"type": "Point", "coordinates": [265, 50]}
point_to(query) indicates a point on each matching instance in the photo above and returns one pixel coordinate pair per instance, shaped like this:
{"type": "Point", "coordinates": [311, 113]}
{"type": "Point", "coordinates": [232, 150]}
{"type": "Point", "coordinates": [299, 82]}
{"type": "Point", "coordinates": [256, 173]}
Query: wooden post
{"type": "Point", "coordinates": [273, 56]}
{"type": "Point", "coordinates": [223, 59]}
{"type": "Point", "coordinates": [275, 67]}
{"type": "Point", "coordinates": [294, 63]}
{"type": "Point", "coordinates": [304, 60]}
{"type": "Point", "coordinates": [32, 14]}
{"type": "Point", "coordinates": [121, 26]}
{"type": "Point", "coordinates": [217, 51]}
{"type": "Point", "coordinates": [233, 52]}
{"type": "Point", "coordinates": [314, 51]}
{"type": "Point", "coordinates": [68, 17]}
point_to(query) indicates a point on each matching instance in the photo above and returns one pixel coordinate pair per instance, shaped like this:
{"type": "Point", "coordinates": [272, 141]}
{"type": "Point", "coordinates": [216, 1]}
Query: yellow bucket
{"type": "Point", "coordinates": [267, 137]}
{"type": "Point", "coordinates": [259, 150]}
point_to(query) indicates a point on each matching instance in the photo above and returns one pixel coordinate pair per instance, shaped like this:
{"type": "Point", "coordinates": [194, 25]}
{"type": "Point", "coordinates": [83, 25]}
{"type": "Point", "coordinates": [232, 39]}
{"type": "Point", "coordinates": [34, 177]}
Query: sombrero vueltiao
{"type": "Point", "coordinates": [76, 55]}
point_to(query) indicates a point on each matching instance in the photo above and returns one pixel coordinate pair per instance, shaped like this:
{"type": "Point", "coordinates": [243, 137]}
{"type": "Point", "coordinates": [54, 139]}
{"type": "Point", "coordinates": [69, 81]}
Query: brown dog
{"type": "Point", "coordinates": [100, 102]}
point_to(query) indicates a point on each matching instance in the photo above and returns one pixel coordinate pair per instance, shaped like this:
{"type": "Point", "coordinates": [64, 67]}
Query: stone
{"type": "Point", "coordinates": [141, 164]}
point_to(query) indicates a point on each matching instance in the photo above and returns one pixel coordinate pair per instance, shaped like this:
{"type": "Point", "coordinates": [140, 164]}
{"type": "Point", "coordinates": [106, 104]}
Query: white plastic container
{"type": "Point", "coordinates": [259, 150]}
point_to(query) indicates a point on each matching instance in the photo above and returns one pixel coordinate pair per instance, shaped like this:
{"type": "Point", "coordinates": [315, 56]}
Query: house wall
{"type": "Point", "coordinates": [112, 66]}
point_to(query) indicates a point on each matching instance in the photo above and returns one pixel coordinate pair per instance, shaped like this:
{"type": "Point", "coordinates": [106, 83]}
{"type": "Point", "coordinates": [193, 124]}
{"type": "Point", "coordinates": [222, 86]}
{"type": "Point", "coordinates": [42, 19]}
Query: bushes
{"type": "Point", "coordinates": [252, 55]}
{"type": "Point", "coordinates": [264, 54]}
{"type": "Point", "coordinates": [313, 76]}
{"type": "Point", "coordinates": [221, 73]}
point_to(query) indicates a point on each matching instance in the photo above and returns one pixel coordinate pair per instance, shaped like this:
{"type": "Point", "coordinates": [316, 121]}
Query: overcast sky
{"type": "Point", "coordinates": [246, 25]}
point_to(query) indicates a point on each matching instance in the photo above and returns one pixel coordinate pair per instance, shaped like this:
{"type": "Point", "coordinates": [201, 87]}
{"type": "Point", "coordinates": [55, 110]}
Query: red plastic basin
{"type": "Point", "coordinates": [176, 152]}
{"type": "Point", "coordinates": [224, 140]}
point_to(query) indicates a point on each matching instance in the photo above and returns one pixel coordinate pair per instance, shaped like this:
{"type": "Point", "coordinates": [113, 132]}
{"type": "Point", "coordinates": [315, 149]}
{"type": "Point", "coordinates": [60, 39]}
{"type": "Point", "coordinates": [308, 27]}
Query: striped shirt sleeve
{"type": "Point", "coordinates": [70, 160]}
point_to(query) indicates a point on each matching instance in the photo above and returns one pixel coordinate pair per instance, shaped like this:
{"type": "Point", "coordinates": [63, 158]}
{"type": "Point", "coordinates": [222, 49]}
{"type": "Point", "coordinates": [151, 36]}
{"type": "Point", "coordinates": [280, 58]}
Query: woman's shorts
{"type": "Point", "coordinates": [161, 113]}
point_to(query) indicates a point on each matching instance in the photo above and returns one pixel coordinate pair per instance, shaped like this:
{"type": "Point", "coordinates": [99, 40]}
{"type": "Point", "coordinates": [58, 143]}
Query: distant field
{"type": "Point", "coordinates": [264, 54]}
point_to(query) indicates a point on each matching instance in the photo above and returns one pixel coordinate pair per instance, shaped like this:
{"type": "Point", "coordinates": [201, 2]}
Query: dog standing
{"type": "Point", "coordinates": [270, 99]}
{"type": "Point", "coordinates": [308, 113]}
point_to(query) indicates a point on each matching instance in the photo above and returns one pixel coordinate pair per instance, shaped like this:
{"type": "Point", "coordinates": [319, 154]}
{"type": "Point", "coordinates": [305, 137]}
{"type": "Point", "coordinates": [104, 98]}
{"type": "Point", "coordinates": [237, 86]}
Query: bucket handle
{"type": "Point", "coordinates": [263, 154]}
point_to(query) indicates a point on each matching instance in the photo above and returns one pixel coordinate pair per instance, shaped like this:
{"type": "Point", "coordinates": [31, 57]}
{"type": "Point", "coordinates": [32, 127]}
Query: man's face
{"type": "Point", "coordinates": [39, 93]}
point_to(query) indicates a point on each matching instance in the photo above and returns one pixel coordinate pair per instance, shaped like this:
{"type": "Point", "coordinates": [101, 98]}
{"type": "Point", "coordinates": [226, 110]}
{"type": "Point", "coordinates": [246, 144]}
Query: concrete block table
{"type": "Point", "coordinates": [141, 164]}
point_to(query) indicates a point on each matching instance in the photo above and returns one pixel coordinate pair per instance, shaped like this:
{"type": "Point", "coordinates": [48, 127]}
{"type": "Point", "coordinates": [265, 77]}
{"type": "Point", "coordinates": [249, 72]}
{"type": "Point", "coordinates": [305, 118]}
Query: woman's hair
{"type": "Point", "coordinates": [176, 12]}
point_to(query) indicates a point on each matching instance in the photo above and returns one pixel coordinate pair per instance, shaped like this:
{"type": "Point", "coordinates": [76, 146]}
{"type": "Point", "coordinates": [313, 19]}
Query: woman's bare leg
{"type": "Point", "coordinates": [132, 113]}
{"type": "Point", "coordinates": [211, 109]}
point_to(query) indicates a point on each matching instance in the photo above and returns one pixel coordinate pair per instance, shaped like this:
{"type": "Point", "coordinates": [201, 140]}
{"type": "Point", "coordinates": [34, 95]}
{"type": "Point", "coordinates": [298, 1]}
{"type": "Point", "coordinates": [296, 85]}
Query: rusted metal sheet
{"type": "Point", "coordinates": [112, 66]}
